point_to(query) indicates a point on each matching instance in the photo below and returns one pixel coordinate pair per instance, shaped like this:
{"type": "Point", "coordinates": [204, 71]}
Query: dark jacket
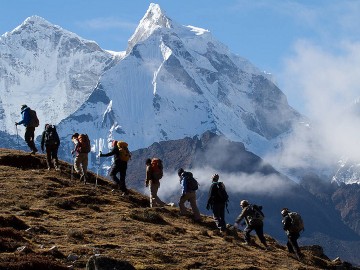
{"type": "Point", "coordinates": [247, 214]}
{"type": "Point", "coordinates": [44, 142]}
{"type": "Point", "coordinates": [214, 197]}
{"type": "Point", "coordinates": [25, 115]}
{"type": "Point", "coordinates": [116, 153]}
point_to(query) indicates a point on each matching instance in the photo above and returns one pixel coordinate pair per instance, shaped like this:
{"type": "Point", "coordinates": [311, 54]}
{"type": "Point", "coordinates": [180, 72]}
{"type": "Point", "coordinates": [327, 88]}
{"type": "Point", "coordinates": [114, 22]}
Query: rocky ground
{"type": "Point", "coordinates": [51, 220]}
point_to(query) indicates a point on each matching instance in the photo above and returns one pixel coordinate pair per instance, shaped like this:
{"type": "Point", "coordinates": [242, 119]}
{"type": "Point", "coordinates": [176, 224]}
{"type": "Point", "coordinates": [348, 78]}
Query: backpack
{"type": "Point", "coordinates": [84, 142]}
{"type": "Point", "coordinates": [191, 182]}
{"type": "Point", "coordinates": [157, 168]}
{"type": "Point", "coordinates": [256, 212]}
{"type": "Point", "coordinates": [221, 195]}
{"type": "Point", "coordinates": [34, 120]}
{"type": "Point", "coordinates": [297, 223]}
{"type": "Point", "coordinates": [124, 152]}
{"type": "Point", "coordinates": [51, 136]}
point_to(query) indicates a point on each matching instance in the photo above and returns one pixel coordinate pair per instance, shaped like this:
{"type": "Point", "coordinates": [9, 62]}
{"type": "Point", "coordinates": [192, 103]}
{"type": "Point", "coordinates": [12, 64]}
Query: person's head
{"type": "Point", "coordinates": [284, 212]}
{"type": "Point", "coordinates": [46, 126]}
{"type": "Point", "coordinates": [74, 136]}
{"type": "Point", "coordinates": [114, 143]}
{"type": "Point", "coordinates": [180, 171]}
{"type": "Point", "coordinates": [148, 162]}
{"type": "Point", "coordinates": [244, 203]}
{"type": "Point", "coordinates": [23, 107]}
{"type": "Point", "coordinates": [215, 177]}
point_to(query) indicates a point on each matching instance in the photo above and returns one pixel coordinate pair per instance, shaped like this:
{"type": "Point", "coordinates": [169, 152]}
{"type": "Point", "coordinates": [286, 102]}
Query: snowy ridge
{"type": "Point", "coordinates": [48, 68]}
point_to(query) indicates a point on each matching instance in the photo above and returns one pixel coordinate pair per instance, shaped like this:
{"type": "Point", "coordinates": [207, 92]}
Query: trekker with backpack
{"type": "Point", "coordinates": [254, 221]}
{"type": "Point", "coordinates": [30, 121]}
{"type": "Point", "coordinates": [121, 155]}
{"type": "Point", "coordinates": [50, 139]}
{"type": "Point", "coordinates": [81, 149]}
{"type": "Point", "coordinates": [188, 193]}
{"type": "Point", "coordinates": [154, 172]}
{"type": "Point", "coordinates": [292, 225]}
{"type": "Point", "coordinates": [217, 201]}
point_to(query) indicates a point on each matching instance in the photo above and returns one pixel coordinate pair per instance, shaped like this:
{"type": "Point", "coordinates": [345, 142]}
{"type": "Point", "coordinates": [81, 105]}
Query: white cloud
{"type": "Point", "coordinates": [270, 185]}
{"type": "Point", "coordinates": [328, 81]}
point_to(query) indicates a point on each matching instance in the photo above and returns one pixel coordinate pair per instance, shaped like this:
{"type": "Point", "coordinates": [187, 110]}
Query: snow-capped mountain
{"type": "Point", "coordinates": [48, 68]}
{"type": "Point", "coordinates": [178, 81]}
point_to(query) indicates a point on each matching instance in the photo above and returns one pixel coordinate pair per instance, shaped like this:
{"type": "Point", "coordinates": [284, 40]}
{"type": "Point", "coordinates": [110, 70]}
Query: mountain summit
{"type": "Point", "coordinates": [153, 19]}
{"type": "Point", "coordinates": [178, 81]}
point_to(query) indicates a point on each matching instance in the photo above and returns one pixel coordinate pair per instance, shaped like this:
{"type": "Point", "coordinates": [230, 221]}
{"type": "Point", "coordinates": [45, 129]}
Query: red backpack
{"type": "Point", "coordinates": [84, 142]}
{"type": "Point", "coordinates": [157, 168]}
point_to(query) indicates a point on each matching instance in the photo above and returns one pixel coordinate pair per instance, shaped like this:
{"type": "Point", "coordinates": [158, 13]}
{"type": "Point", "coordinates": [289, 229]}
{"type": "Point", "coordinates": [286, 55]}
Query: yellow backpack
{"type": "Point", "coordinates": [125, 154]}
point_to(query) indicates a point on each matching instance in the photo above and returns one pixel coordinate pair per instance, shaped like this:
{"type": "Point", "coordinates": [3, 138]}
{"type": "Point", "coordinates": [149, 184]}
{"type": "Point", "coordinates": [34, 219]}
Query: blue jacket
{"type": "Point", "coordinates": [25, 114]}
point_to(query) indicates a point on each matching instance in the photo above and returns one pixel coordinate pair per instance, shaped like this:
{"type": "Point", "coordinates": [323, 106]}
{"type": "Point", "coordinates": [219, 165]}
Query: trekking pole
{"type": "Point", "coordinates": [17, 137]}
{"type": "Point", "coordinates": [100, 147]}
{"type": "Point", "coordinates": [72, 169]}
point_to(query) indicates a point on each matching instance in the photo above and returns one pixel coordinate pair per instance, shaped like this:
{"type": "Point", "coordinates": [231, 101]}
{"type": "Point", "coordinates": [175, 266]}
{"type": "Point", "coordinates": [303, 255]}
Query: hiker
{"type": "Point", "coordinates": [254, 221]}
{"type": "Point", "coordinates": [217, 201]}
{"type": "Point", "coordinates": [154, 172]}
{"type": "Point", "coordinates": [188, 193]}
{"type": "Point", "coordinates": [30, 121]}
{"type": "Point", "coordinates": [81, 150]}
{"type": "Point", "coordinates": [50, 139]}
{"type": "Point", "coordinates": [121, 157]}
{"type": "Point", "coordinates": [292, 229]}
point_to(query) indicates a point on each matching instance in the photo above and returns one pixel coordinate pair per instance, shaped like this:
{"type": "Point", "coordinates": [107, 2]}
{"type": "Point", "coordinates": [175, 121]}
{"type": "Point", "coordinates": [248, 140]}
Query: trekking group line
{"type": "Point", "coordinates": [218, 197]}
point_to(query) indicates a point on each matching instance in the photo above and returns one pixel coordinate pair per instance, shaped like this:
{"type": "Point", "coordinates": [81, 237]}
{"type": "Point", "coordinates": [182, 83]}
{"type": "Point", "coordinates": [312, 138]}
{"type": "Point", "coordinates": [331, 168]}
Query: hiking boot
{"type": "Point", "coordinates": [57, 168]}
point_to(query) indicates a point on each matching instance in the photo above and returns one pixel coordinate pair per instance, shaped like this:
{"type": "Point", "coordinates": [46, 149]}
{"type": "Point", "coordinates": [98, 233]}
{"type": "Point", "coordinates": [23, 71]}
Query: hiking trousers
{"type": "Point", "coordinates": [51, 154]}
{"type": "Point", "coordinates": [292, 243]}
{"type": "Point", "coordinates": [119, 167]}
{"type": "Point", "coordinates": [29, 138]}
{"type": "Point", "coordinates": [81, 163]}
{"type": "Point", "coordinates": [219, 215]}
{"type": "Point", "coordinates": [191, 197]}
{"type": "Point", "coordinates": [259, 229]}
{"type": "Point", "coordinates": [154, 198]}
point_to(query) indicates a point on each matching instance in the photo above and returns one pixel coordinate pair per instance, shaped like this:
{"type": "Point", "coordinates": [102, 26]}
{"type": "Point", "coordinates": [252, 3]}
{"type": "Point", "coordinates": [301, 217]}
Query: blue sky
{"type": "Point", "coordinates": [311, 47]}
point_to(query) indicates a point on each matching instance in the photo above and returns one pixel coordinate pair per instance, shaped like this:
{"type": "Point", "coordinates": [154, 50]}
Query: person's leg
{"type": "Point", "coordinates": [195, 209]}
{"type": "Point", "coordinates": [29, 138]}
{"type": "Point", "coordinates": [222, 223]}
{"type": "Point", "coordinates": [247, 232]}
{"type": "Point", "coordinates": [259, 229]}
{"type": "Point", "coordinates": [217, 215]}
{"type": "Point", "coordinates": [292, 240]}
{"type": "Point", "coordinates": [154, 198]}
{"type": "Point", "coordinates": [182, 201]}
{"type": "Point", "coordinates": [122, 169]}
{"type": "Point", "coordinates": [77, 166]}
{"type": "Point", "coordinates": [48, 156]}
{"type": "Point", "coordinates": [54, 154]}
{"type": "Point", "coordinates": [114, 171]}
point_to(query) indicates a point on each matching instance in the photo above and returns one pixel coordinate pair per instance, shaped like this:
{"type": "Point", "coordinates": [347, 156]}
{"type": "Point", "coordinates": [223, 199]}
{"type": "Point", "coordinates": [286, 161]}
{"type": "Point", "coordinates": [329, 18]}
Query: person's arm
{"type": "Point", "coordinates": [210, 201]}
{"type": "Point", "coordinates": [148, 175]}
{"type": "Point", "coordinates": [183, 185]}
{"type": "Point", "coordinates": [57, 139]}
{"type": "Point", "coordinates": [111, 153]}
{"type": "Point", "coordinates": [241, 216]}
{"type": "Point", "coordinates": [25, 118]}
{"type": "Point", "coordinates": [286, 223]}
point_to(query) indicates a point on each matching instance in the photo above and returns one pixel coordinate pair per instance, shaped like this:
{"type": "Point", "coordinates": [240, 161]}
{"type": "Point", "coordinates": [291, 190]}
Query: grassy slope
{"type": "Point", "coordinates": [79, 219]}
